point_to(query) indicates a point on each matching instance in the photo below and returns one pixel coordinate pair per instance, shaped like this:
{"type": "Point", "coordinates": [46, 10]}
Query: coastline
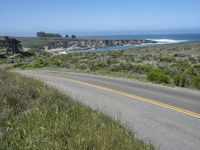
{"type": "Point", "coordinates": [85, 45]}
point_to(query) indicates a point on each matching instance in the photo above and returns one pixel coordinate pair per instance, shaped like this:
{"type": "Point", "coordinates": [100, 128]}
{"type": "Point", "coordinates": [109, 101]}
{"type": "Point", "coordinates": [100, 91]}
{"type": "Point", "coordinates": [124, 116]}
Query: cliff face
{"type": "Point", "coordinates": [75, 44]}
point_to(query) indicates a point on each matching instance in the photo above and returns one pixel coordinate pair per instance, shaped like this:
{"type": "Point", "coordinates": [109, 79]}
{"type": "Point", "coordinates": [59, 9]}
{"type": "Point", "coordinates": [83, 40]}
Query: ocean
{"type": "Point", "coordinates": [160, 38]}
{"type": "Point", "coordinates": [168, 37]}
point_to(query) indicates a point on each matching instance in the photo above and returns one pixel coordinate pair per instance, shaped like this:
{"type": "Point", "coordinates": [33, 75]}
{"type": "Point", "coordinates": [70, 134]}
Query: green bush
{"type": "Point", "coordinates": [96, 66]}
{"type": "Point", "coordinates": [40, 63]}
{"type": "Point", "coordinates": [158, 76]}
{"type": "Point", "coordinates": [182, 65]}
{"type": "Point", "coordinates": [167, 59]}
{"type": "Point", "coordinates": [141, 69]}
{"type": "Point", "coordinates": [179, 80]}
{"type": "Point", "coordinates": [196, 82]}
{"type": "Point", "coordinates": [119, 67]}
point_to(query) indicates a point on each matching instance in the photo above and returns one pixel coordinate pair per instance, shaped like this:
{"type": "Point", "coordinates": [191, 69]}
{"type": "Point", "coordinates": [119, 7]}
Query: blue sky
{"type": "Point", "coordinates": [25, 17]}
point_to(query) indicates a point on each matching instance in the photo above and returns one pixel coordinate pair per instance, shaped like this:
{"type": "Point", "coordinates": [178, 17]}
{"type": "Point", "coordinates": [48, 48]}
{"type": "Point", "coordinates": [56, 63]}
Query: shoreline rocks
{"type": "Point", "coordinates": [80, 44]}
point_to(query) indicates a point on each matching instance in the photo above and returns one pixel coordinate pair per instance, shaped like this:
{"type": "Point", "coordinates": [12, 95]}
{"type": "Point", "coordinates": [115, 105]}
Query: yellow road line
{"type": "Point", "coordinates": [147, 100]}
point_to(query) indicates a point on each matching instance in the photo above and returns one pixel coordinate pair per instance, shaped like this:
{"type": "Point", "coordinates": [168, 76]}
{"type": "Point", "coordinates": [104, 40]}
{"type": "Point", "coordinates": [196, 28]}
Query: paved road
{"type": "Point", "coordinates": [168, 117]}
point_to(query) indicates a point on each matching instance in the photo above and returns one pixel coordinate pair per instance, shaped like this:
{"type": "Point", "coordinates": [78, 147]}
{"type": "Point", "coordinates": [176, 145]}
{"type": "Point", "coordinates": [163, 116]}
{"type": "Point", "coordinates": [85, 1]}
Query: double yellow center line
{"type": "Point", "coordinates": [135, 97]}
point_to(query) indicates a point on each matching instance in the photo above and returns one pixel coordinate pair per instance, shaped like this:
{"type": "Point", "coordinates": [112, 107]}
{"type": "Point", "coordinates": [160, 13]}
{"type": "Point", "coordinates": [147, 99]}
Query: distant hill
{"type": "Point", "coordinates": [43, 34]}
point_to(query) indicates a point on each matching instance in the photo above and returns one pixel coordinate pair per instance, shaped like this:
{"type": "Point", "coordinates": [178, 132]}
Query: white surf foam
{"type": "Point", "coordinates": [168, 41]}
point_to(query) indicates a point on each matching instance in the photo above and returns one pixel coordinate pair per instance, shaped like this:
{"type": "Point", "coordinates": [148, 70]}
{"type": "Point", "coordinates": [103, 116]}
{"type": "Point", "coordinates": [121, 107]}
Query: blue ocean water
{"type": "Point", "coordinates": [160, 38]}
{"type": "Point", "coordinates": [173, 37]}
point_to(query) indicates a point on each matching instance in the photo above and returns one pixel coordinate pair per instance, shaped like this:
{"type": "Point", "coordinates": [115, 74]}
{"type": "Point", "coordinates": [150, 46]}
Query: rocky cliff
{"type": "Point", "coordinates": [79, 44]}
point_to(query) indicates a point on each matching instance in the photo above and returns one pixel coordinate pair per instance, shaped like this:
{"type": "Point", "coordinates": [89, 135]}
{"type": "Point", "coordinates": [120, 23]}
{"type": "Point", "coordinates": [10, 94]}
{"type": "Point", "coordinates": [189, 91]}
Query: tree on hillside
{"type": "Point", "coordinates": [73, 37]}
{"type": "Point", "coordinates": [11, 45]}
{"type": "Point", "coordinates": [57, 35]}
{"type": "Point", "coordinates": [43, 34]}
{"type": "Point", "coordinates": [67, 36]}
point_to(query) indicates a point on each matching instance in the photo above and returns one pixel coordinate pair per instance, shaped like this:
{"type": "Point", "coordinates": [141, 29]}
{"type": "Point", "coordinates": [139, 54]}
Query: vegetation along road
{"type": "Point", "coordinates": [169, 117]}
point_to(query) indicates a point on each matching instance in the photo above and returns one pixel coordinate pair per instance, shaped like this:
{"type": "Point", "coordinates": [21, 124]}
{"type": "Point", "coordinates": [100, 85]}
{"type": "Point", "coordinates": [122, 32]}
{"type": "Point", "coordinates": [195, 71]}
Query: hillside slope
{"type": "Point", "coordinates": [34, 116]}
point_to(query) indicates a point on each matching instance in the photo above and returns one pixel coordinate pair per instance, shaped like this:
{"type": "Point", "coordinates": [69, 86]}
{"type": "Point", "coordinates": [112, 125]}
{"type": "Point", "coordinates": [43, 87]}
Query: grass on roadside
{"type": "Point", "coordinates": [35, 116]}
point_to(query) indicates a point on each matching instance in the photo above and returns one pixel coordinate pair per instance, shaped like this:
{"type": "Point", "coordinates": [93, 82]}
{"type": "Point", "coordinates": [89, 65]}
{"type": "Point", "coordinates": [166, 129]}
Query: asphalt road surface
{"type": "Point", "coordinates": [168, 117]}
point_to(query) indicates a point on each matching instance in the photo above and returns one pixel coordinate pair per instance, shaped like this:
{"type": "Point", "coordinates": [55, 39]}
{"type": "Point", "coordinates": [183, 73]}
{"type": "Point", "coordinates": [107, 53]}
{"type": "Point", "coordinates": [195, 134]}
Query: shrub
{"type": "Point", "coordinates": [40, 63]}
{"type": "Point", "coordinates": [141, 69]}
{"type": "Point", "coordinates": [196, 82]}
{"type": "Point", "coordinates": [179, 80]}
{"type": "Point", "coordinates": [167, 59]}
{"type": "Point", "coordinates": [97, 66]}
{"type": "Point", "coordinates": [121, 67]}
{"type": "Point", "coordinates": [182, 65]}
{"type": "Point", "coordinates": [56, 63]}
{"type": "Point", "coordinates": [196, 69]}
{"type": "Point", "coordinates": [158, 76]}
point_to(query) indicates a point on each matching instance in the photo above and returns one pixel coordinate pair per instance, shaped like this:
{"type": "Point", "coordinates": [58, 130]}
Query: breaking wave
{"type": "Point", "coordinates": [168, 41]}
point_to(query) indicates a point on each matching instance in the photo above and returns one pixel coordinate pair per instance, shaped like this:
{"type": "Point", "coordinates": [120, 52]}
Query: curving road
{"type": "Point", "coordinates": [167, 117]}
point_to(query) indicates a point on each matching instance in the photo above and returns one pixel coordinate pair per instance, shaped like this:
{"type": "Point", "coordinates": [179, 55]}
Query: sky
{"type": "Point", "coordinates": [88, 17]}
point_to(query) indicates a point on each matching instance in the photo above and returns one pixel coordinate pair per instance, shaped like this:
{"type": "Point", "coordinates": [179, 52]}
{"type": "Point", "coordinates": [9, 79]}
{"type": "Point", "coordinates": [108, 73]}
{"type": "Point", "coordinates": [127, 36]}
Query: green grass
{"type": "Point", "coordinates": [177, 64]}
{"type": "Point", "coordinates": [166, 62]}
{"type": "Point", "coordinates": [35, 116]}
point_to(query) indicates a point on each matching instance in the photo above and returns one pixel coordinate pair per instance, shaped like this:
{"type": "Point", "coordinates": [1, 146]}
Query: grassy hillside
{"type": "Point", "coordinates": [39, 43]}
{"type": "Point", "coordinates": [35, 43]}
{"type": "Point", "coordinates": [177, 64]}
{"type": "Point", "coordinates": [35, 116]}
